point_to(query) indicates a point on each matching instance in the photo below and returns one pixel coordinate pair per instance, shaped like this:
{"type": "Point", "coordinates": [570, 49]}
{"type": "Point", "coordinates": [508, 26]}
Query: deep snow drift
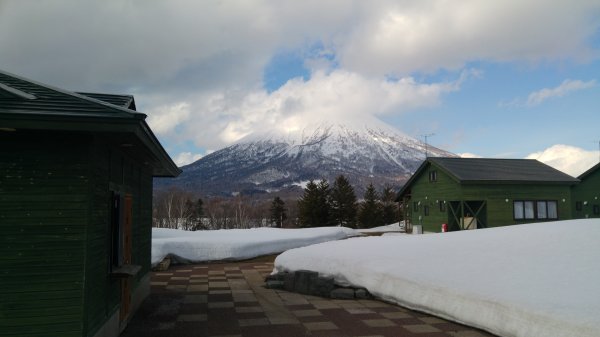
{"type": "Point", "coordinates": [528, 280]}
{"type": "Point", "coordinates": [236, 244]}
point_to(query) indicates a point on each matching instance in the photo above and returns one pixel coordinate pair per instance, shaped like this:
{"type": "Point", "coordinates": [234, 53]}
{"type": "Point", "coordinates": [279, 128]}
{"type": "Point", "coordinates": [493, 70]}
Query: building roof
{"type": "Point", "coordinates": [493, 171]}
{"type": "Point", "coordinates": [501, 170]}
{"type": "Point", "coordinates": [588, 172]}
{"type": "Point", "coordinates": [29, 105]}
{"type": "Point", "coordinates": [125, 101]}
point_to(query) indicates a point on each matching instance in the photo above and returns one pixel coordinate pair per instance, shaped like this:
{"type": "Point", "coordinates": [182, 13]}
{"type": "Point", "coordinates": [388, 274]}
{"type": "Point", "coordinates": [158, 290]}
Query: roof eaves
{"type": "Point", "coordinates": [589, 171]}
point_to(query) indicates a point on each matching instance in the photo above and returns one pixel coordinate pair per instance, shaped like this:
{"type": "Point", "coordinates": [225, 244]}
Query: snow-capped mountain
{"type": "Point", "coordinates": [278, 161]}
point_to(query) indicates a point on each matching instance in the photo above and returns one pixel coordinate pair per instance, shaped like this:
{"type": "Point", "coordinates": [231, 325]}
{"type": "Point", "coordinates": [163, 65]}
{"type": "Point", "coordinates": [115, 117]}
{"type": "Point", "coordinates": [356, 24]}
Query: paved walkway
{"type": "Point", "coordinates": [229, 299]}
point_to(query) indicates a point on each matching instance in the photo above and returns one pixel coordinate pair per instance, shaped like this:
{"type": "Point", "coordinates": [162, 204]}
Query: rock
{"type": "Point", "coordinates": [342, 293]}
{"type": "Point", "coordinates": [362, 293]}
{"type": "Point", "coordinates": [289, 281]}
{"type": "Point", "coordinates": [322, 286]}
{"type": "Point", "coordinates": [303, 279]}
{"type": "Point", "coordinates": [275, 284]}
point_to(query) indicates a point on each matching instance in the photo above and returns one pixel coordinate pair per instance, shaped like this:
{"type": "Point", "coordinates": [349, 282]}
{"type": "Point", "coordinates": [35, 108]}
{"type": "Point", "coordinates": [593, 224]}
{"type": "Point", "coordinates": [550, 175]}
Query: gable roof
{"type": "Point", "coordinates": [493, 171]}
{"type": "Point", "coordinates": [501, 170]}
{"type": "Point", "coordinates": [29, 105]}
{"type": "Point", "coordinates": [588, 172]}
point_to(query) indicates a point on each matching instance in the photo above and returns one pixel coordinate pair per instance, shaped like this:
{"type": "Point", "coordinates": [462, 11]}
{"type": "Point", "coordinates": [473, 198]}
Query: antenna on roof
{"type": "Point", "coordinates": [426, 145]}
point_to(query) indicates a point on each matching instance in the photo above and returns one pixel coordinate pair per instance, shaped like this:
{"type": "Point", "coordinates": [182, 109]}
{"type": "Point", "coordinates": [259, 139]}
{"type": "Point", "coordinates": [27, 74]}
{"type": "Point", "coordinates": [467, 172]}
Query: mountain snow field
{"type": "Point", "coordinates": [236, 244]}
{"type": "Point", "coordinates": [535, 280]}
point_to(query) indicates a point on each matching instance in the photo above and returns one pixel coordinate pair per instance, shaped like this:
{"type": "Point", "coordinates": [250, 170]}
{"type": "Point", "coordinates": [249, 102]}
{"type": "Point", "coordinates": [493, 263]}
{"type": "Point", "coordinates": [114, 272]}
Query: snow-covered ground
{"type": "Point", "coordinates": [236, 244]}
{"type": "Point", "coordinates": [527, 280]}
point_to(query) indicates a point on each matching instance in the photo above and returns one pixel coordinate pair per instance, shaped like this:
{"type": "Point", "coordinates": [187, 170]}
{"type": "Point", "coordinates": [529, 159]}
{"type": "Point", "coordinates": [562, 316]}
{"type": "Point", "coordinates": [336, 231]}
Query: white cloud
{"type": "Point", "coordinates": [564, 88]}
{"type": "Point", "coordinates": [336, 96]}
{"type": "Point", "coordinates": [569, 159]}
{"type": "Point", "coordinates": [164, 119]}
{"type": "Point", "coordinates": [215, 44]}
{"type": "Point", "coordinates": [469, 155]}
{"type": "Point", "coordinates": [185, 158]}
{"type": "Point", "coordinates": [401, 37]}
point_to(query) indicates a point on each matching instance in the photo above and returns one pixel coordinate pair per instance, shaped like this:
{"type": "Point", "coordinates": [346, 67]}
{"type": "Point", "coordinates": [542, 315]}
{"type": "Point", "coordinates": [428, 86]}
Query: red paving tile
{"type": "Point", "coordinates": [229, 299]}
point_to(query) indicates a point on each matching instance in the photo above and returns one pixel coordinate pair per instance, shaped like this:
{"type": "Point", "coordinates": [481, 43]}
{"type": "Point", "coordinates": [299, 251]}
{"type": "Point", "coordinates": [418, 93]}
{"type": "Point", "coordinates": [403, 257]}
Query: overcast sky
{"type": "Point", "coordinates": [511, 78]}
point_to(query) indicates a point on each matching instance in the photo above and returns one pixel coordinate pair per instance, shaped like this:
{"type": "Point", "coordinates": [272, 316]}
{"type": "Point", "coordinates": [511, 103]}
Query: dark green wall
{"type": "Point", "coordinates": [499, 212]}
{"type": "Point", "coordinates": [588, 194]}
{"type": "Point", "coordinates": [55, 220]}
{"type": "Point", "coordinates": [43, 215]}
{"type": "Point", "coordinates": [431, 194]}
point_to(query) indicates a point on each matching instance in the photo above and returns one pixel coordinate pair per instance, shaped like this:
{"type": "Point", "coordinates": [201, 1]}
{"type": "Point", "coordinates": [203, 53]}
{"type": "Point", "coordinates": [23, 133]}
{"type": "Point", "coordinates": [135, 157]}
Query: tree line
{"type": "Point", "coordinates": [178, 209]}
{"type": "Point", "coordinates": [320, 205]}
{"type": "Point", "coordinates": [337, 205]}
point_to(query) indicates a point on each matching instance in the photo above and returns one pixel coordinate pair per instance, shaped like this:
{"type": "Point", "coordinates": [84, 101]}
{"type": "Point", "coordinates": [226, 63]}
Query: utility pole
{"type": "Point", "coordinates": [426, 144]}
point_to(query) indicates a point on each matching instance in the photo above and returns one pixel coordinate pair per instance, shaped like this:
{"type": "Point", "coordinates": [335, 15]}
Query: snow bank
{"type": "Point", "coordinates": [236, 244]}
{"type": "Point", "coordinates": [528, 280]}
{"type": "Point", "coordinates": [395, 227]}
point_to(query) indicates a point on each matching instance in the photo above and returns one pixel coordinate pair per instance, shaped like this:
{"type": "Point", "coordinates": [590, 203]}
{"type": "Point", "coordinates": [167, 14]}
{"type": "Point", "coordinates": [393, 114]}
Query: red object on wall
{"type": "Point", "coordinates": [444, 228]}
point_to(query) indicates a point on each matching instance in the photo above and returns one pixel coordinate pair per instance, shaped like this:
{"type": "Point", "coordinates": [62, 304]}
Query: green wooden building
{"type": "Point", "coordinates": [586, 195]}
{"type": "Point", "coordinates": [76, 175]}
{"type": "Point", "coordinates": [468, 193]}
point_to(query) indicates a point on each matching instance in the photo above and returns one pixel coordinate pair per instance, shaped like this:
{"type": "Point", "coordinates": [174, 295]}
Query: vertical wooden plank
{"type": "Point", "coordinates": [127, 239]}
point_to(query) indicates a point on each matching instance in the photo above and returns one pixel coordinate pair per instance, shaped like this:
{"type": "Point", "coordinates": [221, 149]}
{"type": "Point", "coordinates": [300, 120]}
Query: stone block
{"type": "Point", "coordinates": [342, 293]}
{"type": "Point", "coordinates": [322, 286]}
{"type": "Point", "coordinates": [303, 280]}
{"type": "Point", "coordinates": [362, 293]}
{"type": "Point", "coordinates": [289, 282]}
{"type": "Point", "coordinates": [275, 284]}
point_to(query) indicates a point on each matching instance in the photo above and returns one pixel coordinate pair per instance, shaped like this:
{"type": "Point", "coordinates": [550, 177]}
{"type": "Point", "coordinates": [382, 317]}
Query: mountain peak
{"type": "Point", "coordinates": [280, 160]}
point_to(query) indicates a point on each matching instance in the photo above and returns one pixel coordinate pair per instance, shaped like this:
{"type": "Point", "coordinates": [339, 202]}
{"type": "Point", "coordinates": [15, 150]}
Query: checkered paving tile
{"type": "Point", "coordinates": [229, 299]}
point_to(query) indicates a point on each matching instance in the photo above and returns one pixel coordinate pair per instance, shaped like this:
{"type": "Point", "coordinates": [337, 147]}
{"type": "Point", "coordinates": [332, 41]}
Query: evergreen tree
{"type": "Point", "coordinates": [370, 214]}
{"type": "Point", "coordinates": [307, 205]}
{"type": "Point", "coordinates": [313, 207]}
{"type": "Point", "coordinates": [343, 203]}
{"type": "Point", "coordinates": [390, 209]}
{"type": "Point", "coordinates": [324, 210]}
{"type": "Point", "coordinates": [278, 212]}
{"type": "Point", "coordinates": [194, 213]}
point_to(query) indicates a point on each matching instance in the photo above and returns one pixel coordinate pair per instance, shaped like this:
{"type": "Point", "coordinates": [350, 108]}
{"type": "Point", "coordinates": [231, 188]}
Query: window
{"type": "Point", "coordinates": [416, 206]}
{"type": "Point", "coordinates": [578, 205]}
{"type": "Point", "coordinates": [518, 210]}
{"type": "Point", "coordinates": [529, 213]}
{"type": "Point", "coordinates": [552, 210]}
{"type": "Point", "coordinates": [425, 210]}
{"type": "Point", "coordinates": [432, 175]}
{"type": "Point", "coordinates": [541, 210]}
{"type": "Point", "coordinates": [596, 209]}
{"type": "Point", "coordinates": [442, 206]}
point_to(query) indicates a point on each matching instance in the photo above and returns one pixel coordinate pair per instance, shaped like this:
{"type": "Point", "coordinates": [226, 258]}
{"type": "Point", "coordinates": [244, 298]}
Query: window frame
{"type": "Point", "coordinates": [534, 208]}
{"type": "Point", "coordinates": [432, 176]}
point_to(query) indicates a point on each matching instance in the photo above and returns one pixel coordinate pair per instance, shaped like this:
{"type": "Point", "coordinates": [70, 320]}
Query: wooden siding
{"type": "Point", "coordinates": [43, 217]}
{"type": "Point", "coordinates": [431, 194]}
{"type": "Point", "coordinates": [114, 171]}
{"type": "Point", "coordinates": [588, 194]}
{"type": "Point", "coordinates": [499, 212]}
